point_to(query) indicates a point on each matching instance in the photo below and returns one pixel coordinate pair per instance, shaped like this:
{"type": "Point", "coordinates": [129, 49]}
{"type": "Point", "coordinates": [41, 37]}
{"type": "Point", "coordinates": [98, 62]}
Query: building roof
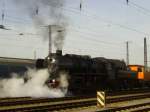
{"type": "Point", "coordinates": [137, 65]}
{"type": "Point", "coordinates": [8, 60]}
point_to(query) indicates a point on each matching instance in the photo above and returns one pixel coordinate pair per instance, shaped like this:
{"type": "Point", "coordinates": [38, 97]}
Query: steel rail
{"type": "Point", "coordinates": [130, 107]}
{"type": "Point", "coordinates": [43, 100]}
{"type": "Point", "coordinates": [48, 104]}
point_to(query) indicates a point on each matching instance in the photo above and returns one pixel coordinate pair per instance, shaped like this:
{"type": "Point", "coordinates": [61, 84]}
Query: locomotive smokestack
{"type": "Point", "coordinates": [58, 52]}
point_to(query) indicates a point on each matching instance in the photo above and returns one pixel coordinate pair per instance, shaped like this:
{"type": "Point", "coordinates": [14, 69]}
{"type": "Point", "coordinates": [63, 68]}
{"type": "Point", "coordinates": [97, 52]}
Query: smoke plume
{"type": "Point", "coordinates": [59, 38]}
{"type": "Point", "coordinates": [45, 13]}
{"type": "Point", "coordinates": [34, 87]}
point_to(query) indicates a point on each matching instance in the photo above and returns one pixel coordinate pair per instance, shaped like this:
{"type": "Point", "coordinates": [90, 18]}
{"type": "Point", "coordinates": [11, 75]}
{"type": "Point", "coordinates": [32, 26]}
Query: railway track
{"type": "Point", "coordinates": [64, 103]}
{"type": "Point", "coordinates": [12, 99]}
{"type": "Point", "coordinates": [133, 107]}
{"type": "Point", "coordinates": [109, 93]}
{"type": "Point", "coordinates": [40, 100]}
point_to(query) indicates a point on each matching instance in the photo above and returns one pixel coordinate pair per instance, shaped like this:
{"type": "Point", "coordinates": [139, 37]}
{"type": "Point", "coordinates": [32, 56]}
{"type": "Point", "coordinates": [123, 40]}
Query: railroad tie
{"type": "Point", "coordinates": [101, 99]}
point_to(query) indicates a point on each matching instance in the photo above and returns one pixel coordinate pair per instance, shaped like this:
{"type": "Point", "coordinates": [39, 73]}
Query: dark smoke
{"type": "Point", "coordinates": [59, 38]}
{"type": "Point", "coordinates": [37, 9]}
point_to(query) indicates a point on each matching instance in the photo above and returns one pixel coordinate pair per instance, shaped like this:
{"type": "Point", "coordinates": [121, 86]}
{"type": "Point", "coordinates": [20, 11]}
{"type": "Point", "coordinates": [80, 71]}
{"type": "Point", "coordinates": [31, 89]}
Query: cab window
{"type": "Point", "coordinates": [139, 70]}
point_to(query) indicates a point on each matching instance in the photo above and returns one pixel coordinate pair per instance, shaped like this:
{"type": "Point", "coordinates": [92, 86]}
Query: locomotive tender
{"type": "Point", "coordinates": [86, 75]}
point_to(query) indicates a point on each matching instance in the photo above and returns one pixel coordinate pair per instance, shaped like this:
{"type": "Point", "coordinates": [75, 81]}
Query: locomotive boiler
{"type": "Point", "coordinates": [86, 75]}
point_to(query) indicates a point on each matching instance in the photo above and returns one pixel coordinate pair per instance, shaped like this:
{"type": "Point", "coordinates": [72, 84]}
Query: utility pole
{"type": "Point", "coordinates": [34, 54]}
{"type": "Point", "coordinates": [145, 54]}
{"type": "Point", "coordinates": [127, 48]}
{"type": "Point", "coordinates": [50, 29]}
{"type": "Point", "coordinates": [50, 38]}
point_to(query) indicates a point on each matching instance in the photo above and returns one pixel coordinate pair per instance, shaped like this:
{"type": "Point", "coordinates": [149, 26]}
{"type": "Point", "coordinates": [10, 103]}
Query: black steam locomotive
{"type": "Point", "coordinates": [86, 75]}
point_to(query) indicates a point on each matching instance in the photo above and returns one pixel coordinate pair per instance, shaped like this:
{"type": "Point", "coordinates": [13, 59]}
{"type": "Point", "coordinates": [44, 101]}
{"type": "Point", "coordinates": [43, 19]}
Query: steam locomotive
{"type": "Point", "coordinates": [86, 75]}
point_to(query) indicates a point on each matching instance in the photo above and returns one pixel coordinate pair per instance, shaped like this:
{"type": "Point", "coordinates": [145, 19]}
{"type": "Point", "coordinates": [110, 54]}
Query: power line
{"type": "Point", "coordinates": [125, 27]}
{"type": "Point", "coordinates": [16, 21]}
{"type": "Point", "coordinates": [110, 22]}
{"type": "Point", "coordinates": [18, 39]}
{"type": "Point", "coordinates": [95, 40]}
{"type": "Point", "coordinates": [20, 33]}
{"type": "Point", "coordinates": [140, 7]}
{"type": "Point", "coordinates": [95, 50]}
{"type": "Point", "coordinates": [24, 46]}
{"type": "Point", "coordinates": [88, 14]}
{"type": "Point", "coordinates": [93, 43]}
{"type": "Point", "coordinates": [91, 36]}
{"type": "Point", "coordinates": [88, 38]}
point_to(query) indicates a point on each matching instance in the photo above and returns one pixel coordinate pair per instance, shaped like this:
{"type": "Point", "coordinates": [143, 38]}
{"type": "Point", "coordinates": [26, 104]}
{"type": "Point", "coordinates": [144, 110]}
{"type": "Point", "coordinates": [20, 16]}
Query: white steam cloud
{"type": "Point", "coordinates": [34, 87]}
{"type": "Point", "coordinates": [42, 13]}
{"type": "Point", "coordinates": [63, 78]}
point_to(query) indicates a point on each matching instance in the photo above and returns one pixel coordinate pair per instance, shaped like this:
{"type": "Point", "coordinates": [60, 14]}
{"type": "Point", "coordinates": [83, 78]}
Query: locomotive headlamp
{"type": "Point", "coordinates": [53, 80]}
{"type": "Point", "coordinates": [53, 60]}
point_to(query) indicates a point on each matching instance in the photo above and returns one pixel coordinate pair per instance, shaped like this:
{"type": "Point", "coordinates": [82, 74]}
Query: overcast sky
{"type": "Point", "coordinates": [100, 28]}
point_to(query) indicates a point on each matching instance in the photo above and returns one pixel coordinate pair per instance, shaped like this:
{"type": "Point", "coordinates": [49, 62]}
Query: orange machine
{"type": "Point", "coordinates": [140, 72]}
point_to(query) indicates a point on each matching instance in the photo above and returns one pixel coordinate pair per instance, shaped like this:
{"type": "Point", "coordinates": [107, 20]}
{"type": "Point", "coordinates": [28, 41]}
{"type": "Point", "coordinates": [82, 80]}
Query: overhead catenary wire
{"type": "Point", "coordinates": [84, 35]}
{"type": "Point", "coordinates": [120, 25]}
{"type": "Point", "coordinates": [20, 33]}
{"type": "Point", "coordinates": [138, 8]}
{"type": "Point", "coordinates": [89, 36]}
{"type": "Point", "coordinates": [129, 28]}
{"type": "Point", "coordinates": [94, 16]}
{"type": "Point", "coordinates": [95, 50]}
{"type": "Point", "coordinates": [110, 22]}
{"type": "Point", "coordinates": [24, 46]}
{"type": "Point", "coordinates": [88, 14]}
{"type": "Point", "coordinates": [83, 41]}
